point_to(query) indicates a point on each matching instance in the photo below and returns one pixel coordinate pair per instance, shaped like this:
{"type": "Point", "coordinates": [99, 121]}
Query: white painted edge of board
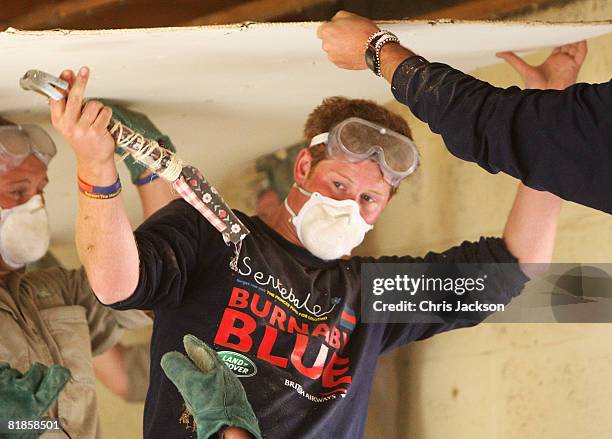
{"type": "Point", "coordinates": [306, 24]}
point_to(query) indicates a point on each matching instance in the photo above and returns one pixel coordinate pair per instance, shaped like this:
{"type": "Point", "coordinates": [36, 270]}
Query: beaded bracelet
{"type": "Point", "coordinates": [99, 192]}
{"type": "Point", "coordinates": [375, 43]}
{"type": "Point", "coordinates": [387, 37]}
{"type": "Point", "coordinates": [146, 180]}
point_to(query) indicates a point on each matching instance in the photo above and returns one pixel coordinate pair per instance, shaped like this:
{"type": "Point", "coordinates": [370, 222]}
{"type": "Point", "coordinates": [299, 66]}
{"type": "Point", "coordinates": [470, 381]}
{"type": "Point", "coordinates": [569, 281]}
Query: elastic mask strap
{"type": "Point", "coordinates": [289, 209]}
{"type": "Point", "coordinates": [303, 192]}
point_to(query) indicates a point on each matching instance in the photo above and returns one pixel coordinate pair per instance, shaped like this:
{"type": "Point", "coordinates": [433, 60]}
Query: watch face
{"type": "Point", "coordinates": [369, 59]}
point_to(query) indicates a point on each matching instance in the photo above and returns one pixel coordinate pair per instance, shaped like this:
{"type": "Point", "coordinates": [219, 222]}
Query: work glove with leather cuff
{"type": "Point", "coordinates": [212, 393]}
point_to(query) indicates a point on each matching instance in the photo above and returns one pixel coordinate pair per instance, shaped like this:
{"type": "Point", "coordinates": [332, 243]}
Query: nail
{"type": "Point", "coordinates": [83, 71]}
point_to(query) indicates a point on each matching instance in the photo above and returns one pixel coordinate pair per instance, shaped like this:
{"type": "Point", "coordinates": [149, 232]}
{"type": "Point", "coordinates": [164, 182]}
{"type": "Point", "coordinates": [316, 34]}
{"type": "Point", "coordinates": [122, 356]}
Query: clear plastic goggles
{"type": "Point", "coordinates": [354, 140]}
{"type": "Point", "coordinates": [17, 142]}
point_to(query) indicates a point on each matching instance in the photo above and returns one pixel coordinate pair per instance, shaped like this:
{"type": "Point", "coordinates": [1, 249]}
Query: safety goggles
{"type": "Point", "coordinates": [19, 141]}
{"type": "Point", "coordinates": [354, 140]}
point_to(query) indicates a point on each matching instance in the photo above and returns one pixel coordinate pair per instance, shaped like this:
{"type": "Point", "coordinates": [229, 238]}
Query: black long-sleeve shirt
{"type": "Point", "coordinates": [558, 141]}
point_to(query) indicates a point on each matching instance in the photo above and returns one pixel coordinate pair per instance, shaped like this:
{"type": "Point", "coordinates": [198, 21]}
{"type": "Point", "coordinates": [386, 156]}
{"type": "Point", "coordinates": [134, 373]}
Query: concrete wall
{"type": "Point", "coordinates": [500, 381]}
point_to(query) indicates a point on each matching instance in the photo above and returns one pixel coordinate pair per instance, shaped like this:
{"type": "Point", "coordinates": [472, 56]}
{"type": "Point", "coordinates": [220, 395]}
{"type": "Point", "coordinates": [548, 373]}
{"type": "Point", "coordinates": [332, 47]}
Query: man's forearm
{"type": "Point", "coordinates": [124, 370]}
{"type": "Point", "coordinates": [436, 94]}
{"type": "Point", "coordinates": [111, 371]}
{"type": "Point", "coordinates": [531, 228]}
{"type": "Point", "coordinates": [104, 237]}
{"type": "Point", "coordinates": [391, 56]}
{"type": "Point", "coordinates": [105, 240]}
{"type": "Point", "coordinates": [533, 135]}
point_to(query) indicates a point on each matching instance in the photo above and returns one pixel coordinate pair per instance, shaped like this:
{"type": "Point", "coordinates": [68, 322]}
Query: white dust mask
{"type": "Point", "coordinates": [328, 228]}
{"type": "Point", "coordinates": [24, 233]}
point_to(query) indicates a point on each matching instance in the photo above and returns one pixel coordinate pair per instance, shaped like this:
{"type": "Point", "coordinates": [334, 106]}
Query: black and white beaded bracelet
{"type": "Point", "coordinates": [375, 43]}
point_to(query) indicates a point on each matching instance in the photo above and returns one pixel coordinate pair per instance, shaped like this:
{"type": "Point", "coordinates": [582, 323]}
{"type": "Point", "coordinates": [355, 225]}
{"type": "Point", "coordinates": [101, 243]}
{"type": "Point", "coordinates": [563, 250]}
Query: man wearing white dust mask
{"type": "Point", "coordinates": [49, 317]}
{"type": "Point", "coordinates": [286, 315]}
{"type": "Point", "coordinates": [25, 152]}
{"type": "Point", "coordinates": [331, 227]}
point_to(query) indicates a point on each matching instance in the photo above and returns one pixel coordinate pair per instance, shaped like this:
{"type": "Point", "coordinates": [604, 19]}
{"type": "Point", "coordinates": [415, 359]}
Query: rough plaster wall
{"type": "Point", "coordinates": [500, 381]}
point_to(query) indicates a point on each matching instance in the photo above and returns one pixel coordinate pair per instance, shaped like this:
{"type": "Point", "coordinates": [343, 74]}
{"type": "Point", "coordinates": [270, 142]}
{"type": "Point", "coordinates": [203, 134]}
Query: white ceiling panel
{"type": "Point", "coordinates": [227, 94]}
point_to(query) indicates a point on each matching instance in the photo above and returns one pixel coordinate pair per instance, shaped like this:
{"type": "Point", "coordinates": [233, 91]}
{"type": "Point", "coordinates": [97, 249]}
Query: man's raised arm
{"type": "Point", "coordinates": [104, 237]}
{"type": "Point", "coordinates": [558, 141]}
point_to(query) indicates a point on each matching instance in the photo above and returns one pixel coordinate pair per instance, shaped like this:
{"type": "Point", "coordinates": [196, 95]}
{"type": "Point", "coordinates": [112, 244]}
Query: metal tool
{"type": "Point", "coordinates": [48, 85]}
{"type": "Point", "coordinates": [188, 181]}
{"type": "Point", "coordinates": [44, 83]}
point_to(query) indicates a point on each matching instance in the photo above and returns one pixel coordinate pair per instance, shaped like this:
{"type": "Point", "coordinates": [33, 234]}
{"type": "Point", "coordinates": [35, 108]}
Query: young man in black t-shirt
{"type": "Point", "coordinates": [289, 313]}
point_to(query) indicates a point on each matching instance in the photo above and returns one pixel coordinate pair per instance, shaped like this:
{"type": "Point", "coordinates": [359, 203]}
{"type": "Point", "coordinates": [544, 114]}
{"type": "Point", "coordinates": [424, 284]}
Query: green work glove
{"type": "Point", "coordinates": [212, 393]}
{"type": "Point", "coordinates": [29, 396]}
{"type": "Point", "coordinates": [140, 123]}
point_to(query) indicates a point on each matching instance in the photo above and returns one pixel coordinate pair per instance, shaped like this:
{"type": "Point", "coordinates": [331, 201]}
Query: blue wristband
{"type": "Point", "coordinates": [146, 180]}
{"type": "Point", "coordinates": [99, 190]}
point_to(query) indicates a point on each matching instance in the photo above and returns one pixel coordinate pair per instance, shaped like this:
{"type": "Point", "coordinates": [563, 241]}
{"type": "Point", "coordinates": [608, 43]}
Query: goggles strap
{"type": "Point", "coordinates": [319, 138]}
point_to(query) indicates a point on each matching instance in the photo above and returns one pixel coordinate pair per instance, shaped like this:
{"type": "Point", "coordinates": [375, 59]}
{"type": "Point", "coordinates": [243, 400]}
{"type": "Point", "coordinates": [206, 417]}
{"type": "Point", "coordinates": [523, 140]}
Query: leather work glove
{"type": "Point", "coordinates": [140, 123]}
{"type": "Point", "coordinates": [212, 393]}
{"type": "Point", "coordinates": [29, 396]}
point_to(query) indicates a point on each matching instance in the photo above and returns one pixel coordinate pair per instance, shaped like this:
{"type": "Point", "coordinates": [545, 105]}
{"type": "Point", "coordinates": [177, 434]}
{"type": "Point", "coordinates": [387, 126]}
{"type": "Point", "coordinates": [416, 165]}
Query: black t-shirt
{"type": "Point", "coordinates": [309, 360]}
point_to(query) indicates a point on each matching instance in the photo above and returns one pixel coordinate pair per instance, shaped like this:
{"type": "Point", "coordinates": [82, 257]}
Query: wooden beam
{"type": "Point", "coordinates": [257, 10]}
{"type": "Point", "coordinates": [482, 9]}
{"type": "Point", "coordinates": [47, 14]}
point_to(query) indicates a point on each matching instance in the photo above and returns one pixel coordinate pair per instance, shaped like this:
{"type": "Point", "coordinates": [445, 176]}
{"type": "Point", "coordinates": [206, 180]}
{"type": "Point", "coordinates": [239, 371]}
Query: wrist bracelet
{"type": "Point", "coordinates": [375, 35]}
{"type": "Point", "coordinates": [373, 47]}
{"type": "Point", "coordinates": [146, 180]}
{"type": "Point", "coordinates": [386, 38]}
{"type": "Point", "coordinates": [99, 192]}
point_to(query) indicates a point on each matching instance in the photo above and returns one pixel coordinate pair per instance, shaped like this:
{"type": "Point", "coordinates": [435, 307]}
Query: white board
{"type": "Point", "coordinates": [227, 94]}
